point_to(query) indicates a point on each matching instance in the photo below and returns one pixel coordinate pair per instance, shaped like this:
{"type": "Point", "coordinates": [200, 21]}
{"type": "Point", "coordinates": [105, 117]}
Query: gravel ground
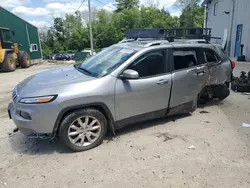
{"type": "Point", "coordinates": [151, 154]}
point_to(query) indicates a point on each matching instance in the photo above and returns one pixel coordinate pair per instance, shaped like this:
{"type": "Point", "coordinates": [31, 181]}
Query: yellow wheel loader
{"type": "Point", "coordinates": [10, 55]}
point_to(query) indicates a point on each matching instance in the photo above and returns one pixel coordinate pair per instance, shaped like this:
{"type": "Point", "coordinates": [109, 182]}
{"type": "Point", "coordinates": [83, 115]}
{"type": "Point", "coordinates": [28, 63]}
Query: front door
{"type": "Point", "coordinates": [189, 76]}
{"type": "Point", "coordinates": [145, 97]}
{"type": "Point", "coordinates": [238, 40]}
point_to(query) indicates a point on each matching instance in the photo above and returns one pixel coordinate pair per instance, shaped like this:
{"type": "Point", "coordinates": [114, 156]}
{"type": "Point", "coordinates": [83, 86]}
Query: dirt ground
{"type": "Point", "coordinates": [151, 154]}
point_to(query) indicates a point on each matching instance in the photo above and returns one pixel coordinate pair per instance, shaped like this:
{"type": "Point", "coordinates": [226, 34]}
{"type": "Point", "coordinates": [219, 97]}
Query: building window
{"type": "Point", "coordinates": [215, 8]}
{"type": "Point", "coordinates": [34, 47]}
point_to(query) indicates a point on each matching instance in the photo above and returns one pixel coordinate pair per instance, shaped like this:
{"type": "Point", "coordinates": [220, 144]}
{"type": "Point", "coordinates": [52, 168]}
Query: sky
{"type": "Point", "coordinates": [41, 12]}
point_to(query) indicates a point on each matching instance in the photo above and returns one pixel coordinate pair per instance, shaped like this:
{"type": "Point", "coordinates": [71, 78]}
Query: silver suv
{"type": "Point", "coordinates": [123, 84]}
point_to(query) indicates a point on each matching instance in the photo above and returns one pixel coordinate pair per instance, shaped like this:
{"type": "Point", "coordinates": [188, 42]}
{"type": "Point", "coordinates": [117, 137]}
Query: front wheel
{"type": "Point", "coordinates": [83, 129]}
{"type": "Point", "coordinates": [9, 63]}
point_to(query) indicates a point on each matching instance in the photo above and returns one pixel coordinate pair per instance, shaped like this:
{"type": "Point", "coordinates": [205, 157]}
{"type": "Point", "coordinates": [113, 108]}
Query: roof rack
{"type": "Point", "coordinates": [170, 34]}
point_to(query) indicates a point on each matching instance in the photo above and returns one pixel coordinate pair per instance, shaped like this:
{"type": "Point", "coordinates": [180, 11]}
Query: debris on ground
{"type": "Point", "coordinates": [173, 120]}
{"type": "Point", "coordinates": [166, 136]}
{"type": "Point", "coordinates": [242, 83]}
{"type": "Point", "coordinates": [245, 125]}
{"type": "Point", "coordinates": [4, 183]}
{"type": "Point", "coordinates": [14, 131]}
{"type": "Point", "coordinates": [192, 147]}
{"type": "Point", "coordinates": [204, 112]}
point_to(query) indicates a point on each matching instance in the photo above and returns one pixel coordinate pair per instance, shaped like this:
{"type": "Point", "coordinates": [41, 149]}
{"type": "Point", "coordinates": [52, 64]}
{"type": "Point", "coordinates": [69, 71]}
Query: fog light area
{"type": "Point", "coordinates": [25, 115]}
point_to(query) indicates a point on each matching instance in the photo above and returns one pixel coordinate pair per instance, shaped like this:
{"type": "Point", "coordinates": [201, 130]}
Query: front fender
{"type": "Point", "coordinates": [3, 53]}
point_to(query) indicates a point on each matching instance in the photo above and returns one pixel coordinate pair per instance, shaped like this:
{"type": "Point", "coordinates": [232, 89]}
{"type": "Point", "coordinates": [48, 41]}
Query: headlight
{"type": "Point", "coordinates": [38, 100]}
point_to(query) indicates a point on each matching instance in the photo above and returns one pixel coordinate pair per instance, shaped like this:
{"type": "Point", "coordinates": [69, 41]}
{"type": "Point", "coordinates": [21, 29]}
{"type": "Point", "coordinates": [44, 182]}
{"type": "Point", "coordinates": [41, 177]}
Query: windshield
{"type": "Point", "coordinates": [6, 35]}
{"type": "Point", "coordinates": [106, 61]}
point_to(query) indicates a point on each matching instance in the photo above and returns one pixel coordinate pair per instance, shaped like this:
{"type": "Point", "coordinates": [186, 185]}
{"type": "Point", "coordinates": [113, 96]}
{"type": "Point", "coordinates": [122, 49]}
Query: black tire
{"type": "Point", "coordinates": [240, 87]}
{"type": "Point", "coordinates": [24, 59]}
{"type": "Point", "coordinates": [9, 63]}
{"type": "Point", "coordinates": [73, 116]}
{"type": "Point", "coordinates": [221, 92]}
{"type": "Point", "coordinates": [234, 85]}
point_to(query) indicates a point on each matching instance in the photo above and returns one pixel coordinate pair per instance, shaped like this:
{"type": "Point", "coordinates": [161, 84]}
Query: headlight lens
{"type": "Point", "coordinates": [38, 100]}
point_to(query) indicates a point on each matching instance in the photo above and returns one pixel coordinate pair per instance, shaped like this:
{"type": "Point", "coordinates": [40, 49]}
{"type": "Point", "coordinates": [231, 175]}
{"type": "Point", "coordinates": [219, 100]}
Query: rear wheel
{"type": "Point", "coordinates": [83, 129]}
{"type": "Point", "coordinates": [9, 63]}
{"type": "Point", "coordinates": [221, 92]}
{"type": "Point", "coordinates": [24, 59]}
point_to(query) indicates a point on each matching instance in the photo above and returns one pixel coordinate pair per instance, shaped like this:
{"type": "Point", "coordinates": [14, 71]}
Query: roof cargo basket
{"type": "Point", "coordinates": [170, 34]}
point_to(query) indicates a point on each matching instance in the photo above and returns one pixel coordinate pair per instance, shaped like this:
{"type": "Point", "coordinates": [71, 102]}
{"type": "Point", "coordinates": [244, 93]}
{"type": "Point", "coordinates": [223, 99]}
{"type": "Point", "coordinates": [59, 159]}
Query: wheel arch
{"type": "Point", "coordinates": [99, 106]}
{"type": "Point", "coordinates": [3, 53]}
{"type": "Point", "coordinates": [21, 53]}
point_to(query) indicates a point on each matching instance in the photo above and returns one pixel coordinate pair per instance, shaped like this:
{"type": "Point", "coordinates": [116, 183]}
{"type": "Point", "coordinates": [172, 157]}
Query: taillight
{"type": "Point", "coordinates": [233, 64]}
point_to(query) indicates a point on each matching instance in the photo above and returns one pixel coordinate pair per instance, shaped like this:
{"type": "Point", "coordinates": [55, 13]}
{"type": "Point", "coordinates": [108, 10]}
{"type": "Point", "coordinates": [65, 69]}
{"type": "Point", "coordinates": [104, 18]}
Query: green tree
{"type": "Point", "coordinates": [152, 17]}
{"type": "Point", "coordinates": [71, 33]}
{"type": "Point", "coordinates": [192, 13]}
{"type": "Point", "coordinates": [126, 4]}
{"type": "Point", "coordinates": [103, 30]}
{"type": "Point", "coordinates": [126, 19]}
{"type": "Point", "coordinates": [76, 34]}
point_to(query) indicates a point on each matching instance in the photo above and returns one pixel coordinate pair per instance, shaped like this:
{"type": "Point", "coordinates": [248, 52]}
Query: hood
{"type": "Point", "coordinates": [49, 82]}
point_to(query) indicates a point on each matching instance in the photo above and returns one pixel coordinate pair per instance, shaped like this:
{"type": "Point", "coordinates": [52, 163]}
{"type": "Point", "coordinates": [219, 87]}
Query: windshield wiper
{"type": "Point", "coordinates": [84, 70]}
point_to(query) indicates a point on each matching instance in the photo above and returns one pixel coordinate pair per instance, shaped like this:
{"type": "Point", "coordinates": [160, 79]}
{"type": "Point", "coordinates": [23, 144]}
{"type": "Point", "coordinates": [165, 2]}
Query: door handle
{"type": "Point", "coordinates": [161, 82]}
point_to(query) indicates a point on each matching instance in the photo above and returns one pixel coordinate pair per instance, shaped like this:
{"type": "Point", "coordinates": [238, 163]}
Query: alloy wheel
{"type": "Point", "coordinates": [84, 131]}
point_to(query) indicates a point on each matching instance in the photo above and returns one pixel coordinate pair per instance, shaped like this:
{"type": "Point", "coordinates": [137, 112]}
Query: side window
{"type": "Point", "coordinates": [150, 64]}
{"type": "Point", "coordinates": [184, 58]}
{"type": "Point", "coordinates": [210, 57]}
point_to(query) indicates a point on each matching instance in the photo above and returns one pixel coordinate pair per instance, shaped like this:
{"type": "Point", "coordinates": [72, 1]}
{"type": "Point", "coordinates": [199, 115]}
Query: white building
{"type": "Point", "coordinates": [230, 18]}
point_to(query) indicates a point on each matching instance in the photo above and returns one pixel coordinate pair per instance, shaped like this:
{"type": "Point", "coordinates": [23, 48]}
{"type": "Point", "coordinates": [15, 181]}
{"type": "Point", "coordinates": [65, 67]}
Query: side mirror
{"type": "Point", "coordinates": [130, 74]}
{"type": "Point", "coordinates": [13, 33]}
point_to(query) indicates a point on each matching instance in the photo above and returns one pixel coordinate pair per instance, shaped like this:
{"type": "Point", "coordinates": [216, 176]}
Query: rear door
{"type": "Point", "coordinates": [189, 76]}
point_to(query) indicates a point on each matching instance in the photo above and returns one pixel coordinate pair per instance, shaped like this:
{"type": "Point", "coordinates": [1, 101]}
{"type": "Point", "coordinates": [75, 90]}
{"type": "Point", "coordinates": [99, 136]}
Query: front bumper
{"type": "Point", "coordinates": [42, 117]}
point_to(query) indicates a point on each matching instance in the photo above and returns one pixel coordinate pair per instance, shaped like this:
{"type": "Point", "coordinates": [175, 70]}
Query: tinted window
{"type": "Point", "coordinates": [150, 64]}
{"type": "Point", "coordinates": [184, 58]}
{"type": "Point", "coordinates": [210, 57]}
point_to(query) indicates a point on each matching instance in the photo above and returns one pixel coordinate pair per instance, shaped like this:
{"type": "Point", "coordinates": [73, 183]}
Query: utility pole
{"type": "Point", "coordinates": [205, 16]}
{"type": "Point", "coordinates": [90, 29]}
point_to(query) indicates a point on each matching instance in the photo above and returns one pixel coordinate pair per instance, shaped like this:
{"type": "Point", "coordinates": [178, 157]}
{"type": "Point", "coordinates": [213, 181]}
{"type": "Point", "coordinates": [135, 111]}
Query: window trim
{"type": "Point", "coordinates": [167, 67]}
{"type": "Point", "coordinates": [198, 51]}
{"type": "Point", "coordinates": [219, 61]}
{"type": "Point", "coordinates": [215, 8]}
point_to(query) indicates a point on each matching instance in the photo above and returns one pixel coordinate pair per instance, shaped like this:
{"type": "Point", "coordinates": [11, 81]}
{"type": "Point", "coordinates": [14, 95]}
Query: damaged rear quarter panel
{"type": "Point", "coordinates": [220, 73]}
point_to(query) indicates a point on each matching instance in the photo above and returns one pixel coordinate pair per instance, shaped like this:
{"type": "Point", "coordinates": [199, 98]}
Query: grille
{"type": "Point", "coordinates": [14, 95]}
